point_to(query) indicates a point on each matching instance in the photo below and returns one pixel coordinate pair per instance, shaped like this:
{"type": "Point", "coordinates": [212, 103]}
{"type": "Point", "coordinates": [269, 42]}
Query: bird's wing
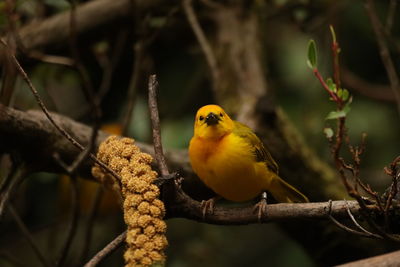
{"type": "Point", "coordinates": [260, 151]}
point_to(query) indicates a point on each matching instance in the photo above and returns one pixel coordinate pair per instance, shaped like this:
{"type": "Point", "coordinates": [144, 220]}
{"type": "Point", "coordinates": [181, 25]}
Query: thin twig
{"type": "Point", "coordinates": [393, 188]}
{"type": "Point", "coordinates": [342, 226]}
{"type": "Point", "coordinates": [107, 250]}
{"type": "Point", "coordinates": [73, 222]}
{"type": "Point", "coordinates": [357, 224]}
{"type": "Point", "coordinates": [52, 59]}
{"type": "Point", "coordinates": [364, 213]}
{"type": "Point", "coordinates": [9, 73]}
{"type": "Point", "coordinates": [381, 92]}
{"type": "Point", "coordinates": [137, 69]}
{"type": "Point", "coordinates": [155, 122]}
{"type": "Point", "coordinates": [88, 90]}
{"type": "Point", "coordinates": [9, 177]}
{"type": "Point", "coordinates": [16, 177]}
{"type": "Point", "coordinates": [201, 38]}
{"type": "Point", "coordinates": [87, 84]}
{"type": "Point", "coordinates": [28, 236]}
{"type": "Point", "coordinates": [335, 55]}
{"type": "Point", "coordinates": [384, 50]}
{"type": "Point", "coordinates": [324, 85]}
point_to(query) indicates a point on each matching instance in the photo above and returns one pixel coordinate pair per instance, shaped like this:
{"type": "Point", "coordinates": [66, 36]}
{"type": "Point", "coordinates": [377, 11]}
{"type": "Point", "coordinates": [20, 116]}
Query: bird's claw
{"type": "Point", "coordinates": [261, 207]}
{"type": "Point", "coordinates": [208, 205]}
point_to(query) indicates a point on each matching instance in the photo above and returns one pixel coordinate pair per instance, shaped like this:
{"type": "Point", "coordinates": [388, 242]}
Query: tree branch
{"type": "Point", "coordinates": [107, 250]}
{"type": "Point", "coordinates": [185, 207]}
{"type": "Point", "coordinates": [379, 92]}
{"type": "Point", "coordinates": [385, 260]}
{"type": "Point", "coordinates": [33, 136]}
{"type": "Point", "coordinates": [384, 50]}
{"type": "Point", "coordinates": [89, 16]}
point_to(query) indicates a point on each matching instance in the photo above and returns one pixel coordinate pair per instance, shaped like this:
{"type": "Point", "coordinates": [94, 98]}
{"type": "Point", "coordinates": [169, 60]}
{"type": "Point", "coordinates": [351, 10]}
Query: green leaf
{"type": "Point", "coordinates": [331, 84]}
{"type": "Point", "coordinates": [339, 113]}
{"type": "Point", "coordinates": [328, 132]}
{"type": "Point", "coordinates": [345, 95]}
{"type": "Point", "coordinates": [333, 115]}
{"type": "Point", "coordinates": [340, 93]}
{"type": "Point", "coordinates": [347, 108]}
{"type": "Point", "coordinates": [312, 54]}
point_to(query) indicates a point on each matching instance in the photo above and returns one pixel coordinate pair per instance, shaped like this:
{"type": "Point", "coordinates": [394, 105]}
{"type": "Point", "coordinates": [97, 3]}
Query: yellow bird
{"type": "Point", "coordinates": [231, 160]}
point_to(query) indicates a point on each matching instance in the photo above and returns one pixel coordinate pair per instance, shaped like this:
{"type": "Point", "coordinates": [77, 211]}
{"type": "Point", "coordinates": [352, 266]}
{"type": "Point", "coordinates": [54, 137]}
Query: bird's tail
{"type": "Point", "coordinates": [284, 192]}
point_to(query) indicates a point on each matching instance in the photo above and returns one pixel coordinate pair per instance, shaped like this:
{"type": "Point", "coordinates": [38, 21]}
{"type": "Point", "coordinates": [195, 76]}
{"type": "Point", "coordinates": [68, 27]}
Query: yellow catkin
{"type": "Point", "coordinates": [143, 211]}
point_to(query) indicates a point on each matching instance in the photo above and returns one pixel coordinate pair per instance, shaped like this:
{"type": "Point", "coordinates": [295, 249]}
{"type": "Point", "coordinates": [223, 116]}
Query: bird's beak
{"type": "Point", "coordinates": [212, 119]}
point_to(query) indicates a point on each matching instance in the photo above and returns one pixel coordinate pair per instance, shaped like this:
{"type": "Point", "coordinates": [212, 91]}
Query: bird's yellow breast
{"type": "Point", "coordinates": [228, 167]}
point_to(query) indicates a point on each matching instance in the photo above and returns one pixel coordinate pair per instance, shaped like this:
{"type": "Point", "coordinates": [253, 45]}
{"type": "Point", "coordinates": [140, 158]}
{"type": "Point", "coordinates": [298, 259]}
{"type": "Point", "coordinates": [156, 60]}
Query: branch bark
{"type": "Point", "coordinates": [89, 16]}
{"type": "Point", "coordinates": [36, 139]}
{"type": "Point", "coordinates": [386, 260]}
{"type": "Point", "coordinates": [31, 134]}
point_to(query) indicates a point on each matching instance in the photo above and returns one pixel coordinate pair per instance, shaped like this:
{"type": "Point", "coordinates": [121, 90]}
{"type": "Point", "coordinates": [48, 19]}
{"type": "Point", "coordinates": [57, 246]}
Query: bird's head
{"type": "Point", "coordinates": [212, 122]}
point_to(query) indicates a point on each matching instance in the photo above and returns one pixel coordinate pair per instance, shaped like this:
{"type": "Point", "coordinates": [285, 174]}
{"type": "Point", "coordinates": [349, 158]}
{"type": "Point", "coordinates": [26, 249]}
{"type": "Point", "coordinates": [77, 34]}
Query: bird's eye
{"type": "Point", "coordinates": [221, 115]}
{"type": "Point", "coordinates": [201, 118]}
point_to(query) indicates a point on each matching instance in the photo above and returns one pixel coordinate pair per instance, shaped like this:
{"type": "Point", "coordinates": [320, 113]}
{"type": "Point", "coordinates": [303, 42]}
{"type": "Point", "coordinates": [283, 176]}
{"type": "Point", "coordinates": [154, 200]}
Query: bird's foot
{"type": "Point", "coordinates": [208, 205]}
{"type": "Point", "coordinates": [261, 207]}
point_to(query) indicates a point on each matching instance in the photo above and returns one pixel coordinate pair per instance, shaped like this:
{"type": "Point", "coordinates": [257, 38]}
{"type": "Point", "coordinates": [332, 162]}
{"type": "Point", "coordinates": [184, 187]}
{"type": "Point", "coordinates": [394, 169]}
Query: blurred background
{"type": "Point", "coordinates": [119, 56]}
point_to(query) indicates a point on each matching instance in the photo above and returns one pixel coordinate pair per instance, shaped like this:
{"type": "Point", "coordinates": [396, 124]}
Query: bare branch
{"type": "Point", "coordinates": [107, 250]}
{"type": "Point", "coordinates": [368, 233]}
{"type": "Point", "coordinates": [89, 16]}
{"type": "Point", "coordinates": [384, 50]}
{"type": "Point", "coordinates": [385, 260]}
{"type": "Point", "coordinates": [31, 131]}
{"type": "Point", "coordinates": [155, 122]}
{"type": "Point", "coordinates": [201, 38]}
{"type": "Point", "coordinates": [346, 228]}
{"type": "Point", "coordinates": [16, 176]}
{"type": "Point", "coordinates": [379, 92]}
{"type": "Point", "coordinates": [191, 209]}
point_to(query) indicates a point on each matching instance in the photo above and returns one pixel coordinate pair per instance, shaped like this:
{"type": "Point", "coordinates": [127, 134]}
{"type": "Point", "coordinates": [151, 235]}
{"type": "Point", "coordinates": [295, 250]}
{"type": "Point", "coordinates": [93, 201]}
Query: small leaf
{"type": "Point", "coordinates": [345, 95]}
{"type": "Point", "coordinates": [339, 113]}
{"type": "Point", "coordinates": [331, 85]}
{"type": "Point", "coordinates": [328, 132]}
{"type": "Point", "coordinates": [333, 33]}
{"type": "Point", "coordinates": [333, 115]}
{"type": "Point", "coordinates": [312, 54]}
{"type": "Point", "coordinates": [347, 108]}
{"type": "Point", "coordinates": [350, 100]}
{"type": "Point", "coordinates": [340, 93]}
